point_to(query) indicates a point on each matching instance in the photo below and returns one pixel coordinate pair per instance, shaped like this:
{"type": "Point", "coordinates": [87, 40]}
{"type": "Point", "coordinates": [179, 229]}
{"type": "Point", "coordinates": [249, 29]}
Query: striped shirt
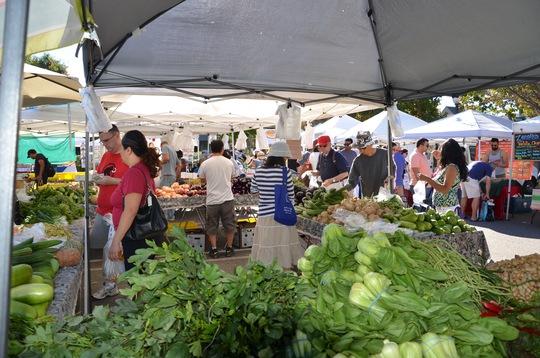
{"type": "Point", "coordinates": [264, 182]}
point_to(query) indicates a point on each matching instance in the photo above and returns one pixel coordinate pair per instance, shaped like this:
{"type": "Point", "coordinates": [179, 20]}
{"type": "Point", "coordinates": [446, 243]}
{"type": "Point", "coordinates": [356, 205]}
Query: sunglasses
{"type": "Point", "coordinates": [105, 141]}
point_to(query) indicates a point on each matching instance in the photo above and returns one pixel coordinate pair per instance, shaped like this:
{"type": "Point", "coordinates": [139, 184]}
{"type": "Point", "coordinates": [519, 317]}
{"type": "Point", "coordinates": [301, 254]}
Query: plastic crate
{"type": "Point", "coordinates": [244, 238]}
{"type": "Point", "coordinates": [197, 241]}
{"type": "Point", "coordinates": [520, 205]}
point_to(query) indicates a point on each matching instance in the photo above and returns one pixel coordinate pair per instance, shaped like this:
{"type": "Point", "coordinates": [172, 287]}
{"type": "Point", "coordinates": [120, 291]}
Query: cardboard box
{"type": "Point", "coordinates": [520, 205]}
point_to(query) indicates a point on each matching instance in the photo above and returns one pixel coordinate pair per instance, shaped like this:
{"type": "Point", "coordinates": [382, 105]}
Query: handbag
{"type": "Point", "coordinates": [284, 212]}
{"type": "Point", "coordinates": [150, 222]}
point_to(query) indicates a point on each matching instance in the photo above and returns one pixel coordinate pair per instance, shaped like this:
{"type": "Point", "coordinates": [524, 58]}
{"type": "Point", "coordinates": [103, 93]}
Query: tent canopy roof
{"type": "Point", "coordinates": [529, 126]}
{"type": "Point", "coordinates": [350, 49]}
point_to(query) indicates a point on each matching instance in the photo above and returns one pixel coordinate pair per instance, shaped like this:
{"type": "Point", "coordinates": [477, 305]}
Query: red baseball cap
{"type": "Point", "coordinates": [323, 140]}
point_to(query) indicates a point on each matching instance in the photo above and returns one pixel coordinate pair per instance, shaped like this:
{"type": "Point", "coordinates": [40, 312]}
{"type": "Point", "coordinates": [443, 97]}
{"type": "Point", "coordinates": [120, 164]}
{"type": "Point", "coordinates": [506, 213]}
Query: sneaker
{"type": "Point", "coordinates": [105, 291]}
{"type": "Point", "coordinates": [229, 251]}
{"type": "Point", "coordinates": [214, 254]}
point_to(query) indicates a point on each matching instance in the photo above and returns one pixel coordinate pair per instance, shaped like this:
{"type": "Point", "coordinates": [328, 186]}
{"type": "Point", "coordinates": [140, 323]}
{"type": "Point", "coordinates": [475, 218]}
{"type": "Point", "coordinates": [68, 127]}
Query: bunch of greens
{"type": "Point", "coordinates": [393, 294]}
{"type": "Point", "coordinates": [525, 316]}
{"type": "Point", "coordinates": [50, 205]}
{"type": "Point", "coordinates": [181, 306]}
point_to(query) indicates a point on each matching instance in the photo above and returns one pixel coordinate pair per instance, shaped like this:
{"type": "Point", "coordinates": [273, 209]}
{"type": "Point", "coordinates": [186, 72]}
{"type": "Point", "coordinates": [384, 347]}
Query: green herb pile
{"type": "Point", "coordinates": [50, 205]}
{"type": "Point", "coordinates": [181, 306]}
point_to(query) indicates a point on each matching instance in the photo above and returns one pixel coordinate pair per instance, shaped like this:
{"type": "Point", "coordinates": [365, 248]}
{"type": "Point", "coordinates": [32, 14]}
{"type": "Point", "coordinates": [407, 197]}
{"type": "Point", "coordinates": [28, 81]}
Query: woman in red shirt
{"type": "Point", "coordinates": [144, 164]}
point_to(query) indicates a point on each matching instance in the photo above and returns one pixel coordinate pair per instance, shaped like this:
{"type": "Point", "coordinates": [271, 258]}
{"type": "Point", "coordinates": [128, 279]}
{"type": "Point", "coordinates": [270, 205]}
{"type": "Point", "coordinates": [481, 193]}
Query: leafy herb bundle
{"type": "Point", "coordinates": [182, 306]}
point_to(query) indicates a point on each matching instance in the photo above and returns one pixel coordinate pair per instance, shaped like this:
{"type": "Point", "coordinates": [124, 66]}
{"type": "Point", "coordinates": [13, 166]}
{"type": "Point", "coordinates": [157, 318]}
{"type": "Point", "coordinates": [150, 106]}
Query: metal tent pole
{"type": "Point", "coordinates": [16, 22]}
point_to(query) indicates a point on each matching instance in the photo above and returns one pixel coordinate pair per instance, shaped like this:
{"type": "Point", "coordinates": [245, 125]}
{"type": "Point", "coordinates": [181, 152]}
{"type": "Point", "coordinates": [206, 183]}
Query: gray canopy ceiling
{"type": "Point", "coordinates": [356, 49]}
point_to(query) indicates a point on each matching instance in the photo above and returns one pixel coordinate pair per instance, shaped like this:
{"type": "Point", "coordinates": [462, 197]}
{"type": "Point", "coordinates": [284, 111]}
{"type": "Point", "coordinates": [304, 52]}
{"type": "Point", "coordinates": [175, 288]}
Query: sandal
{"type": "Point", "coordinates": [475, 220]}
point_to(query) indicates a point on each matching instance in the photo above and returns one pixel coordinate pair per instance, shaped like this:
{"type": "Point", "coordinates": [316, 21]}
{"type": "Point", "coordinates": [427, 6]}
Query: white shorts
{"type": "Point", "coordinates": [471, 189]}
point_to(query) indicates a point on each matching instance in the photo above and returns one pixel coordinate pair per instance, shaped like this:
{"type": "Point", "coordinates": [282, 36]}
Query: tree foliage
{"type": "Point", "coordinates": [511, 101]}
{"type": "Point", "coordinates": [425, 109]}
{"type": "Point", "coordinates": [47, 62]}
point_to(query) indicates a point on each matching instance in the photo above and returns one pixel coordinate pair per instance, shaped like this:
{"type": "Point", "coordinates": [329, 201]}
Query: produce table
{"type": "Point", "coordinates": [67, 282]}
{"type": "Point", "coordinates": [198, 204]}
{"type": "Point", "coordinates": [472, 245]}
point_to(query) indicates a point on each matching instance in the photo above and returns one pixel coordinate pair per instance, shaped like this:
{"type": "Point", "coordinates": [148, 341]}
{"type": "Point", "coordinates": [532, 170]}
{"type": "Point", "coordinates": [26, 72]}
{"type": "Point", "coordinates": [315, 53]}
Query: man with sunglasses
{"type": "Point", "coordinates": [348, 152]}
{"type": "Point", "coordinates": [109, 173]}
{"type": "Point", "coordinates": [497, 158]}
{"type": "Point", "coordinates": [332, 166]}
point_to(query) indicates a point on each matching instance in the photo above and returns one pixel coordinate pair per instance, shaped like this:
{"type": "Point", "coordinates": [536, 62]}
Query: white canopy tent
{"type": "Point", "coordinates": [465, 124]}
{"type": "Point", "coordinates": [531, 125]}
{"type": "Point", "coordinates": [378, 126]}
{"type": "Point", "coordinates": [335, 126]}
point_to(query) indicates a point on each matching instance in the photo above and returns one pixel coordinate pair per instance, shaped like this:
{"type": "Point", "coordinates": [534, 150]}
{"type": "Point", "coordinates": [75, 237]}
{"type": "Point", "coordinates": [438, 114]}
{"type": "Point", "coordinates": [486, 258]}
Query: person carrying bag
{"type": "Point", "coordinates": [275, 235]}
{"type": "Point", "coordinates": [284, 212]}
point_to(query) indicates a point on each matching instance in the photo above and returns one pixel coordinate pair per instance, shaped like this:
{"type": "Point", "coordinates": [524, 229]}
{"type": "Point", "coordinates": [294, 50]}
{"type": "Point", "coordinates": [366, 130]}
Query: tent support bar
{"type": "Point", "coordinates": [15, 30]}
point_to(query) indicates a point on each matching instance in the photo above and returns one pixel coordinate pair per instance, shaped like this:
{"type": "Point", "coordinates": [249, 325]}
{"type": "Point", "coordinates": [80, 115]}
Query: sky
{"type": "Point", "coordinates": [75, 69]}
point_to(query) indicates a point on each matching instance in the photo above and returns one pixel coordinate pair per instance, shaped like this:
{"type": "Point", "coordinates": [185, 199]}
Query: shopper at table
{"type": "Point", "coordinates": [217, 172]}
{"type": "Point", "coordinates": [419, 164]}
{"type": "Point", "coordinates": [109, 172]}
{"type": "Point", "coordinates": [274, 240]}
{"type": "Point", "coordinates": [332, 167]}
{"type": "Point", "coordinates": [478, 172]}
{"type": "Point", "coordinates": [169, 166]}
{"type": "Point", "coordinates": [40, 167]}
{"type": "Point", "coordinates": [370, 168]}
{"type": "Point", "coordinates": [144, 165]}
{"type": "Point", "coordinates": [399, 163]}
{"type": "Point", "coordinates": [453, 170]}
{"type": "Point", "coordinates": [348, 151]}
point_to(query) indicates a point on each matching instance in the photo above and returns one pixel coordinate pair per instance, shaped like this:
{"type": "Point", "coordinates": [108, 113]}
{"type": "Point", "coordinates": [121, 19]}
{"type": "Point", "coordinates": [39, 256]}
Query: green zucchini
{"type": "Point", "coordinates": [41, 308]}
{"type": "Point", "coordinates": [32, 293]}
{"type": "Point", "coordinates": [22, 310]}
{"type": "Point", "coordinates": [45, 244]}
{"type": "Point", "coordinates": [24, 251]}
{"type": "Point", "coordinates": [23, 244]}
{"type": "Point", "coordinates": [32, 259]}
{"type": "Point", "coordinates": [54, 265]}
{"type": "Point", "coordinates": [37, 279]}
{"type": "Point", "coordinates": [20, 274]}
{"type": "Point", "coordinates": [44, 268]}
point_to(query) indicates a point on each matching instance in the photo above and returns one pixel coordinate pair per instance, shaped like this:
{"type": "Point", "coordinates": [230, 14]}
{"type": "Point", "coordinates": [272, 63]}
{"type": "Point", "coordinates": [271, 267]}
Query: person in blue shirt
{"type": "Point", "coordinates": [478, 172]}
{"type": "Point", "coordinates": [400, 162]}
{"type": "Point", "coordinates": [348, 152]}
{"type": "Point", "coordinates": [331, 166]}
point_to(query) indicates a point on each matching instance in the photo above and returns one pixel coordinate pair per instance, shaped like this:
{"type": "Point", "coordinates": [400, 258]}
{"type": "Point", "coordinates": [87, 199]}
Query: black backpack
{"type": "Point", "coordinates": [49, 169]}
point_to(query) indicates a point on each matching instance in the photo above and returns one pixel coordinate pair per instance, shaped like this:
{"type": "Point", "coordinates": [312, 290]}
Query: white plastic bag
{"type": "Point", "coordinates": [419, 192]}
{"type": "Point", "coordinates": [111, 269]}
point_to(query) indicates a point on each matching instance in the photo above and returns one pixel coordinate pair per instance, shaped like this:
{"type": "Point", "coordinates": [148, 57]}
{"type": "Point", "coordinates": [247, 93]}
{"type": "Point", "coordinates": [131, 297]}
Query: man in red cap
{"type": "Point", "coordinates": [332, 166]}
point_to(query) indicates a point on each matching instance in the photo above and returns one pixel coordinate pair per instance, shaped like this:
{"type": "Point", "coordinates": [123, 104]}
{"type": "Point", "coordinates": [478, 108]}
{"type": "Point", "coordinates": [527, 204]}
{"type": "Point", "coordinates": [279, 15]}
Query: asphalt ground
{"type": "Point", "coordinates": [515, 236]}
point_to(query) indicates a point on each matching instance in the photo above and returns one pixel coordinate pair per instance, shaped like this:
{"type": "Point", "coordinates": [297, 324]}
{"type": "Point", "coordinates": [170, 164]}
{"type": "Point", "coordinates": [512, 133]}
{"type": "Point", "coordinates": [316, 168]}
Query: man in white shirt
{"type": "Point", "coordinates": [217, 172]}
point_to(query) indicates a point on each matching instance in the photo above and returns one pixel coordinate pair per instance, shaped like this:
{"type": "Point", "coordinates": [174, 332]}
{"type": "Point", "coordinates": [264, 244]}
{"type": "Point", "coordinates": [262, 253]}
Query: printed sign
{"type": "Point", "coordinates": [527, 146]}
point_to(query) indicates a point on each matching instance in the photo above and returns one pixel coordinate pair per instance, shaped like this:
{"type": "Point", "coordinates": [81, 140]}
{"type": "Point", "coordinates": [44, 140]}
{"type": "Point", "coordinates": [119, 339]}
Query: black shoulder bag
{"type": "Point", "coordinates": [150, 222]}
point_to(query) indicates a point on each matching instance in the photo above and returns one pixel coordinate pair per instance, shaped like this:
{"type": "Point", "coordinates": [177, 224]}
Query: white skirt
{"type": "Point", "coordinates": [273, 240]}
